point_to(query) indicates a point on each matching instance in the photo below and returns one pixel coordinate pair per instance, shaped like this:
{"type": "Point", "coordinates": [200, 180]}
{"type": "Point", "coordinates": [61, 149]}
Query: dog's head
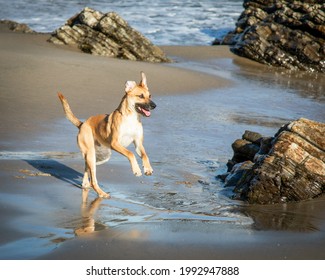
{"type": "Point", "coordinates": [139, 97]}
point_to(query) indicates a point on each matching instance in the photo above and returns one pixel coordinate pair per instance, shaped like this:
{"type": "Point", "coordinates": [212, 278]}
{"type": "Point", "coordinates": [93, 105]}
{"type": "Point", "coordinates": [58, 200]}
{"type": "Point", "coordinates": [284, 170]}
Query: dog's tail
{"type": "Point", "coordinates": [67, 110]}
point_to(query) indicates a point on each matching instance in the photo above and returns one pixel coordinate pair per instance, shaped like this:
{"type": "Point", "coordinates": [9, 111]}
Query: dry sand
{"type": "Point", "coordinates": [41, 211]}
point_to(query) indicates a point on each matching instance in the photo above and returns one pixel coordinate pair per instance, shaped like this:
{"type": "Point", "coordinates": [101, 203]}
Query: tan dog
{"type": "Point", "coordinates": [99, 134]}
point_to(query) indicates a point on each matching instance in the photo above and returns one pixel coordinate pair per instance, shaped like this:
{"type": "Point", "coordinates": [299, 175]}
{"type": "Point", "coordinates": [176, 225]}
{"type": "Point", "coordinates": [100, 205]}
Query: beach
{"type": "Point", "coordinates": [205, 100]}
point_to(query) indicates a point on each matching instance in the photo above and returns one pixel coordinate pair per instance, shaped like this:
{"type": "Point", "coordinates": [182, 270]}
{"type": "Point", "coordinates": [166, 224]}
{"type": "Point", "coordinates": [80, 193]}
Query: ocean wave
{"type": "Point", "coordinates": [175, 22]}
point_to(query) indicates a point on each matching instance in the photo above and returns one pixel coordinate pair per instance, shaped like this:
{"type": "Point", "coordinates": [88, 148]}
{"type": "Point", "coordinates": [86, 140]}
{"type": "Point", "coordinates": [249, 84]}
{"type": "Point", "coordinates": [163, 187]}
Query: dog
{"type": "Point", "coordinates": [100, 134]}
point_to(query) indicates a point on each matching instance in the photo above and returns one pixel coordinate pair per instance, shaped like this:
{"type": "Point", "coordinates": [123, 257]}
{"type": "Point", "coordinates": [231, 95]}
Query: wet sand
{"type": "Point", "coordinates": [204, 101]}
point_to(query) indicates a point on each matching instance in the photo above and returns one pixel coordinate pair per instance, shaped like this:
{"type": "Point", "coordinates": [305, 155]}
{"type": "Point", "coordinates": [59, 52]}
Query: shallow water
{"type": "Point", "coordinates": [190, 143]}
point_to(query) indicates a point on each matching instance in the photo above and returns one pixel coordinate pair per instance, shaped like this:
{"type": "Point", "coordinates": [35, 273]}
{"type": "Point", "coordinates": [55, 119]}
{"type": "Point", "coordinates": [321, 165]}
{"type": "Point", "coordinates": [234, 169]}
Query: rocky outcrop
{"type": "Point", "coordinates": [16, 27]}
{"type": "Point", "coordinates": [287, 167]}
{"type": "Point", "coordinates": [108, 35]}
{"type": "Point", "coordinates": [284, 33]}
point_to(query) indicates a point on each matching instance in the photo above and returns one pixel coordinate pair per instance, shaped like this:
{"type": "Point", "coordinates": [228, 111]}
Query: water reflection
{"type": "Point", "coordinates": [298, 217]}
{"type": "Point", "coordinates": [88, 211]}
{"type": "Point", "coordinates": [295, 217]}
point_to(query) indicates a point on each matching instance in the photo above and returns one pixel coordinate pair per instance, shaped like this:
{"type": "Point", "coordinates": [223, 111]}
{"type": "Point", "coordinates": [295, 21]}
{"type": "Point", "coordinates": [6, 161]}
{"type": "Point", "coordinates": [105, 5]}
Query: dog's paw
{"type": "Point", "coordinates": [104, 195]}
{"type": "Point", "coordinates": [148, 171]}
{"type": "Point", "coordinates": [137, 171]}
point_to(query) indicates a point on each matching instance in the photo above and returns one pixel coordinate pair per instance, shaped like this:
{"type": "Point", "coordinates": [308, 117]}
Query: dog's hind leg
{"type": "Point", "coordinates": [87, 148]}
{"type": "Point", "coordinates": [85, 180]}
{"type": "Point", "coordinates": [90, 159]}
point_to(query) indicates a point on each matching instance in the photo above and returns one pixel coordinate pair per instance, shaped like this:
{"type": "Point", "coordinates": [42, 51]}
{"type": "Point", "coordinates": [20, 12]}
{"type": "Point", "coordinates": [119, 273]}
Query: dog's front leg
{"type": "Point", "coordinates": [145, 160]}
{"type": "Point", "coordinates": [131, 157]}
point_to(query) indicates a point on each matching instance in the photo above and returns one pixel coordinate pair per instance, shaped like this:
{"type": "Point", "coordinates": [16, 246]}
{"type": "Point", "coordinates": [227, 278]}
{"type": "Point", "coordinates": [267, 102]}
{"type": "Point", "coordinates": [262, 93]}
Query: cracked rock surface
{"type": "Point", "coordinates": [107, 35]}
{"type": "Point", "coordinates": [287, 167]}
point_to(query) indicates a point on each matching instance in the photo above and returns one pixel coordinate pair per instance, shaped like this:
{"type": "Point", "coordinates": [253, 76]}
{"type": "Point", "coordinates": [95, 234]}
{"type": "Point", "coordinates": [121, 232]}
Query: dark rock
{"type": "Point", "coordinates": [244, 150]}
{"type": "Point", "coordinates": [228, 39]}
{"type": "Point", "coordinates": [230, 164]}
{"type": "Point", "coordinates": [292, 170]}
{"type": "Point", "coordinates": [108, 35]}
{"type": "Point", "coordinates": [285, 33]}
{"type": "Point", "coordinates": [16, 27]}
{"type": "Point", "coordinates": [237, 173]}
{"type": "Point", "coordinates": [252, 136]}
{"type": "Point", "coordinates": [223, 176]}
{"type": "Point", "coordinates": [265, 147]}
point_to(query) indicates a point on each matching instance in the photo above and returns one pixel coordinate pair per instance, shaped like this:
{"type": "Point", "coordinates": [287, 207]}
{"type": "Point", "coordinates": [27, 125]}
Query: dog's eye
{"type": "Point", "coordinates": [141, 96]}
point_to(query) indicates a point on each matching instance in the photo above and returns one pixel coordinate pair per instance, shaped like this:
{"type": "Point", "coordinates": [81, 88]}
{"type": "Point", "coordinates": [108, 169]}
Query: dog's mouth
{"type": "Point", "coordinates": [144, 109]}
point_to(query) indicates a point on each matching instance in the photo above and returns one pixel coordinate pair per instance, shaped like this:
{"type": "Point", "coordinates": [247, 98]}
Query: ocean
{"type": "Point", "coordinates": [164, 22]}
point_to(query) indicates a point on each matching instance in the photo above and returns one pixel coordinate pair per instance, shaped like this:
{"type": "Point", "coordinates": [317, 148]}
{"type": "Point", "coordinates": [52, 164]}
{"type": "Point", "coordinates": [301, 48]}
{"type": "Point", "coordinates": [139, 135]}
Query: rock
{"type": "Point", "coordinates": [16, 27]}
{"type": "Point", "coordinates": [244, 150]}
{"type": "Point", "coordinates": [284, 33]}
{"type": "Point", "coordinates": [237, 173]}
{"type": "Point", "coordinates": [251, 147]}
{"type": "Point", "coordinates": [253, 137]}
{"type": "Point", "coordinates": [292, 167]}
{"type": "Point", "coordinates": [265, 145]}
{"type": "Point", "coordinates": [108, 35]}
{"type": "Point", "coordinates": [228, 39]}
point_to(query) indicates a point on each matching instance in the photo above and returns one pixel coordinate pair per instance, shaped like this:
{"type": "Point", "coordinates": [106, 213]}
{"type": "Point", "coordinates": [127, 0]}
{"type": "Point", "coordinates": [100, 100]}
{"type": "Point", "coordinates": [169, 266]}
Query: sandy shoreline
{"type": "Point", "coordinates": [41, 211]}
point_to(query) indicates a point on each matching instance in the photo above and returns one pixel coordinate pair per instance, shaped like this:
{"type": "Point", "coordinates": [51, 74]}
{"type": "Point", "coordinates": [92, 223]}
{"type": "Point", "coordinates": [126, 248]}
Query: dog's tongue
{"type": "Point", "coordinates": [147, 113]}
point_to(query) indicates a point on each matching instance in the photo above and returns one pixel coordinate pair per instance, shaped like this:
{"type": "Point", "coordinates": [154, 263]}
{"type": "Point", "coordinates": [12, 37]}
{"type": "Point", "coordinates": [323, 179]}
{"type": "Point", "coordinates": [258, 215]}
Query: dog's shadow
{"type": "Point", "coordinates": [57, 170]}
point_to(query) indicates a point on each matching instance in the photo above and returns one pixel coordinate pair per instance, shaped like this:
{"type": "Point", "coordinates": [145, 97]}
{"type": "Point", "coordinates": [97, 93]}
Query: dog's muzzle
{"type": "Point", "coordinates": [144, 109]}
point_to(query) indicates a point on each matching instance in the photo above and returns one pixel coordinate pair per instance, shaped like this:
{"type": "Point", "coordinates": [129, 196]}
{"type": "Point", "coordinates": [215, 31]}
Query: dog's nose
{"type": "Point", "coordinates": [152, 105]}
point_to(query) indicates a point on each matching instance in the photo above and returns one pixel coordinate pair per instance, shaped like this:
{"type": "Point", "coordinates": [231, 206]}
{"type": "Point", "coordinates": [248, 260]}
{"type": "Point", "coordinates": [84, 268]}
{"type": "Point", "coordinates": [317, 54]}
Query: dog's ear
{"type": "Point", "coordinates": [143, 82]}
{"type": "Point", "coordinates": [129, 85]}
